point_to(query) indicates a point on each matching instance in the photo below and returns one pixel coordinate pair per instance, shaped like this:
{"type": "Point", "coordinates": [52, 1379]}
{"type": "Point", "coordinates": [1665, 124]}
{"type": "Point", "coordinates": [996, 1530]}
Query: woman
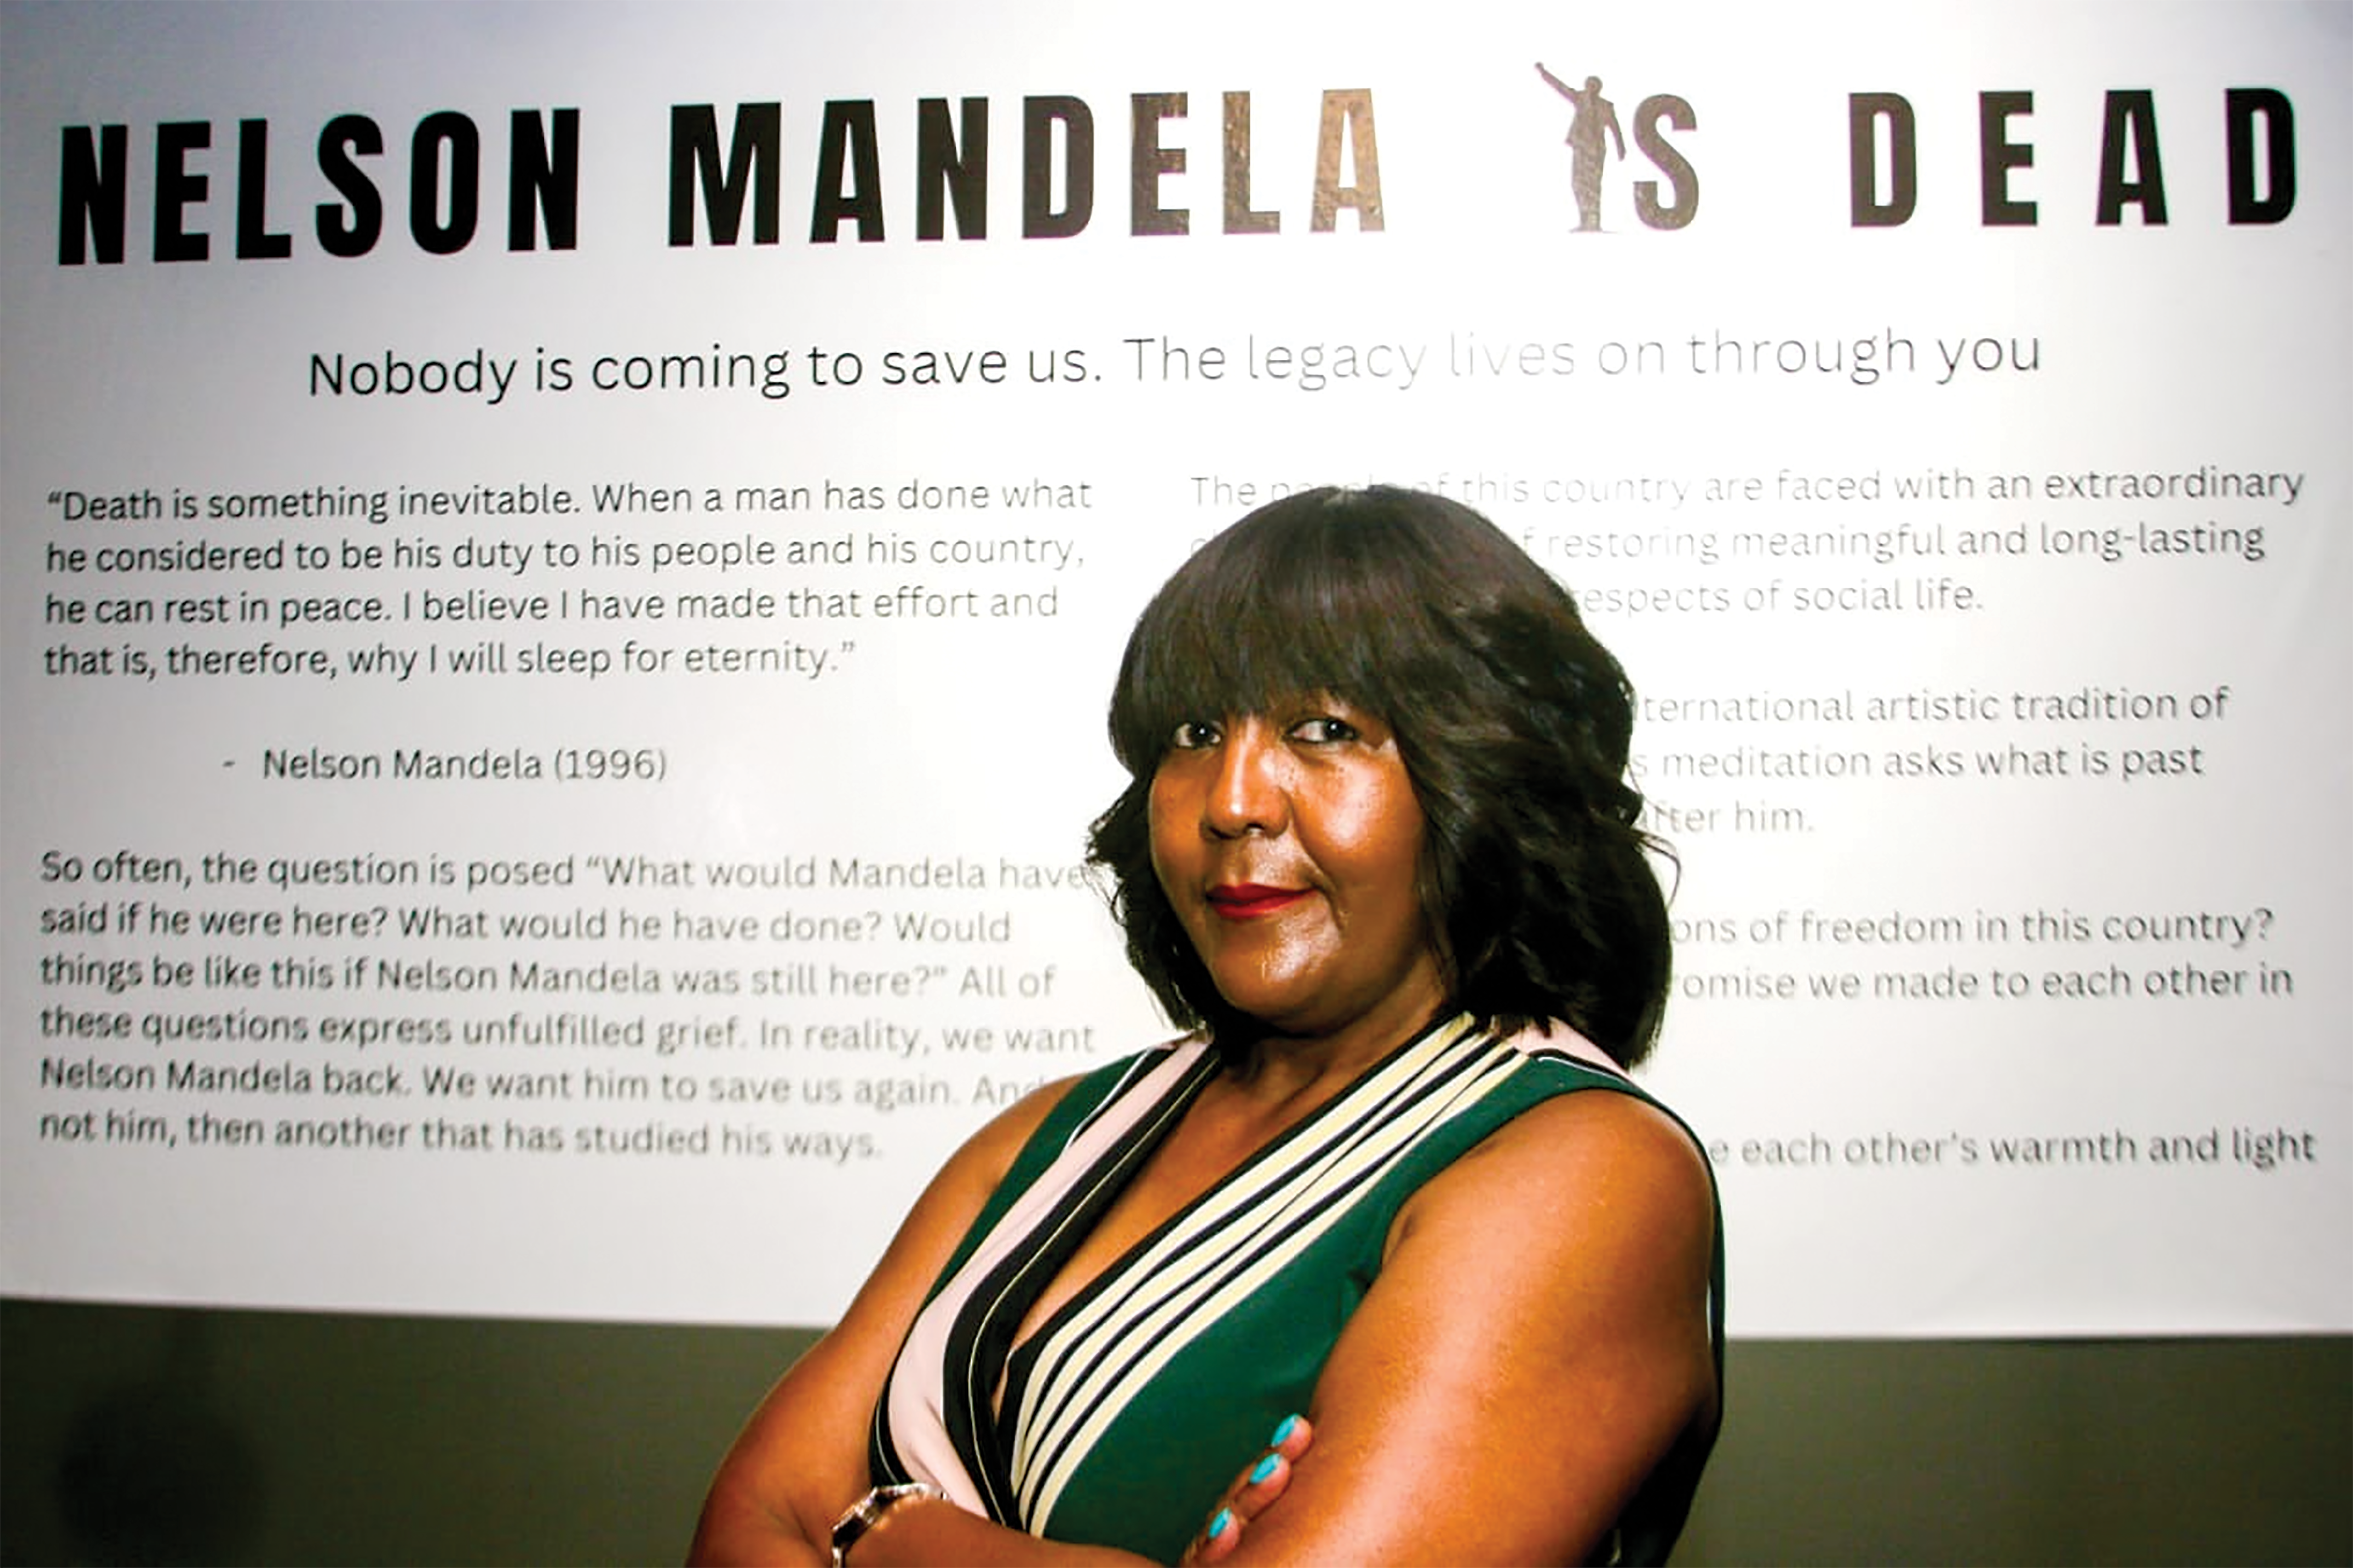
{"type": "Point", "coordinates": [1379, 853]}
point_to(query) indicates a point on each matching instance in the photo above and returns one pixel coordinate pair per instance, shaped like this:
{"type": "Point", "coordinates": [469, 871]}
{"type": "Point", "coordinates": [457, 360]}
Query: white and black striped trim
{"type": "Point", "coordinates": [936, 1420]}
{"type": "Point", "coordinates": [1072, 1377]}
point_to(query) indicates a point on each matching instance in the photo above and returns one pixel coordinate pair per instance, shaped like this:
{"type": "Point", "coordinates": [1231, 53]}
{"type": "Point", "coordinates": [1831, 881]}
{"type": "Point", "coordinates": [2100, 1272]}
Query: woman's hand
{"type": "Point", "coordinates": [1252, 1492]}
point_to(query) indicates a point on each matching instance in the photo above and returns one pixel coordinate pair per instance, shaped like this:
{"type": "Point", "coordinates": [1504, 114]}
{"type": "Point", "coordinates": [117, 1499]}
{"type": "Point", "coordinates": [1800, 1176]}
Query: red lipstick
{"type": "Point", "coordinates": [1248, 900]}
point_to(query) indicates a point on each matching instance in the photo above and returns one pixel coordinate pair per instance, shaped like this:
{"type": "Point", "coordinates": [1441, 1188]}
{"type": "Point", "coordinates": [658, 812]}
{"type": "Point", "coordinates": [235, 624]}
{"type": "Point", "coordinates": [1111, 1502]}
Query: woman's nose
{"type": "Point", "coordinates": [1246, 790]}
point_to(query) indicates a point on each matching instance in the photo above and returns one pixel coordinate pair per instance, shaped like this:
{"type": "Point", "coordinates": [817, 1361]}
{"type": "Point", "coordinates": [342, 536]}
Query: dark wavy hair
{"type": "Point", "coordinates": [1512, 720]}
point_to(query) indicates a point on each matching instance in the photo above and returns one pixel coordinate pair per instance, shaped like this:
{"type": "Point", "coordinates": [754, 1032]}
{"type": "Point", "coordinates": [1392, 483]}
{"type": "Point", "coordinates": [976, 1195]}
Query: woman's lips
{"type": "Point", "coordinates": [1248, 900]}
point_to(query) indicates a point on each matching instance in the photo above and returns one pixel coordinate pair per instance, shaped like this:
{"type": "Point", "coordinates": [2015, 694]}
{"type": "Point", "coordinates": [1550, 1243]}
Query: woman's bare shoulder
{"type": "Point", "coordinates": [1598, 1163]}
{"type": "Point", "coordinates": [987, 1155]}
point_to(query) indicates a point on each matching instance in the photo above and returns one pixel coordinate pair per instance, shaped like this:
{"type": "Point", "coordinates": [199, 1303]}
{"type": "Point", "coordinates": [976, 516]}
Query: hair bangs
{"type": "Point", "coordinates": [1256, 618]}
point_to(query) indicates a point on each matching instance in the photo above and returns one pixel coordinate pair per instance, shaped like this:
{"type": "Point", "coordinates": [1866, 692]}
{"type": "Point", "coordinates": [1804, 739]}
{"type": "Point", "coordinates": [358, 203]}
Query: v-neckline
{"type": "Point", "coordinates": [1021, 1357]}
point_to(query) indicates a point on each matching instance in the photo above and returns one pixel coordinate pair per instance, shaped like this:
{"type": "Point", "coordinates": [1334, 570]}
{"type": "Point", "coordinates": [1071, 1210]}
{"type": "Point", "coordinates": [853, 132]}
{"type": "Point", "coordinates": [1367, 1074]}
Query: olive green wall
{"type": "Point", "coordinates": [130, 1434]}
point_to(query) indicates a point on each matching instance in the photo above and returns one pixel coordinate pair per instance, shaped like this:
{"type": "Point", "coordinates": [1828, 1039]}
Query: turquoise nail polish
{"type": "Point", "coordinates": [1283, 1433]}
{"type": "Point", "coordinates": [1222, 1523]}
{"type": "Point", "coordinates": [1264, 1468]}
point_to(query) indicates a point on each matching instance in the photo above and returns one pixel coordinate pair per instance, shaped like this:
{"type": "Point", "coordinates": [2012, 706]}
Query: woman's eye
{"type": "Point", "coordinates": [1323, 731]}
{"type": "Point", "coordinates": [1191, 735]}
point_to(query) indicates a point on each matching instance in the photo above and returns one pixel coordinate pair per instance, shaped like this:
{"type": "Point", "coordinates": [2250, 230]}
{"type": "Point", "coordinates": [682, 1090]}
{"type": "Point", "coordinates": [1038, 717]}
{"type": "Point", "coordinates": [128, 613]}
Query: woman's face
{"type": "Point", "coordinates": [1288, 844]}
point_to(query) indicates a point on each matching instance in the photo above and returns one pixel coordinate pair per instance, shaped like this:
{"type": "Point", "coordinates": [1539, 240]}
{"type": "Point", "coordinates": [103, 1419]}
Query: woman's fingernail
{"type": "Point", "coordinates": [1283, 1433]}
{"type": "Point", "coordinates": [1264, 1468]}
{"type": "Point", "coordinates": [1223, 1523]}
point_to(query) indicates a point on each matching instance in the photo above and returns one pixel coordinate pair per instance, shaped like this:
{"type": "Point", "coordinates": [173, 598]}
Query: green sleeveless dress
{"type": "Point", "coordinates": [1122, 1419]}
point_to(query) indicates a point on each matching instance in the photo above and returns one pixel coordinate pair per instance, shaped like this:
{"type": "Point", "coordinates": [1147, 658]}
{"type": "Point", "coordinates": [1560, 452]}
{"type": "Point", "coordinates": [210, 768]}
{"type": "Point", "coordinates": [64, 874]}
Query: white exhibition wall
{"type": "Point", "coordinates": [563, 567]}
